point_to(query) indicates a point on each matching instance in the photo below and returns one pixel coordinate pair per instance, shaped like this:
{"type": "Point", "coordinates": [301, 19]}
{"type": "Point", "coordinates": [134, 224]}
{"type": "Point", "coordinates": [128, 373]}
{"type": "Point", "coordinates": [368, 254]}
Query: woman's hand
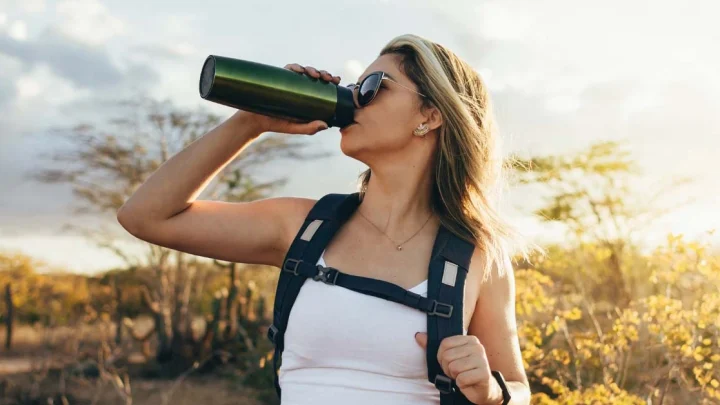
{"type": "Point", "coordinates": [265, 123]}
{"type": "Point", "coordinates": [462, 358]}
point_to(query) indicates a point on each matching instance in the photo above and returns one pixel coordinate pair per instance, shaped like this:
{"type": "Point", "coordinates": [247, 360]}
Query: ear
{"type": "Point", "coordinates": [433, 117]}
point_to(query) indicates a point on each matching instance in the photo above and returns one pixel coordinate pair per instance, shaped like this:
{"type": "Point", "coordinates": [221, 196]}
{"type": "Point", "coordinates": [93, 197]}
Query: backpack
{"type": "Point", "coordinates": [448, 269]}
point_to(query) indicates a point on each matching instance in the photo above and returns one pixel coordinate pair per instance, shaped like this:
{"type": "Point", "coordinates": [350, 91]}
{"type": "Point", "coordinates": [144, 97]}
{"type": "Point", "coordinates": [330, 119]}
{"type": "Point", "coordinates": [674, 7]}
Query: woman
{"type": "Point", "coordinates": [427, 137]}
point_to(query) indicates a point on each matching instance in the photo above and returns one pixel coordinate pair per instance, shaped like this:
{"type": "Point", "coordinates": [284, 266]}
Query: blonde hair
{"type": "Point", "coordinates": [468, 165]}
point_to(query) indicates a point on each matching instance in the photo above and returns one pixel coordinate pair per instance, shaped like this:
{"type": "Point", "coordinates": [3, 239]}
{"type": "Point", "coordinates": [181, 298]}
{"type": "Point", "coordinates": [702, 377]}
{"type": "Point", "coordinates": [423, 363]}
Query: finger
{"type": "Point", "coordinates": [336, 79]}
{"type": "Point", "coordinates": [295, 67]}
{"type": "Point", "coordinates": [454, 354]}
{"type": "Point", "coordinates": [454, 341]}
{"type": "Point", "coordinates": [455, 367]}
{"type": "Point", "coordinates": [313, 127]}
{"type": "Point", "coordinates": [296, 120]}
{"type": "Point", "coordinates": [421, 338]}
{"type": "Point", "coordinates": [325, 75]}
{"type": "Point", "coordinates": [471, 377]}
{"type": "Point", "coordinates": [311, 71]}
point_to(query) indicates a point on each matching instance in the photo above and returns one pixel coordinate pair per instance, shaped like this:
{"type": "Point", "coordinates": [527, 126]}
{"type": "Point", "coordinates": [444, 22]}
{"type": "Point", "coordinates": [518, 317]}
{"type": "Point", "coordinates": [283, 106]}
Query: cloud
{"type": "Point", "coordinates": [7, 86]}
{"type": "Point", "coordinates": [545, 46]}
{"type": "Point", "coordinates": [178, 25]}
{"type": "Point", "coordinates": [498, 22]}
{"type": "Point", "coordinates": [86, 66]}
{"type": "Point", "coordinates": [33, 6]}
{"type": "Point", "coordinates": [352, 70]}
{"type": "Point", "coordinates": [88, 21]}
{"type": "Point", "coordinates": [172, 51]}
{"type": "Point", "coordinates": [54, 77]}
{"type": "Point", "coordinates": [18, 30]}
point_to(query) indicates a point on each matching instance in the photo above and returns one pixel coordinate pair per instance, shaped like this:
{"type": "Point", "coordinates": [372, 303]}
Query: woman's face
{"type": "Point", "coordinates": [385, 126]}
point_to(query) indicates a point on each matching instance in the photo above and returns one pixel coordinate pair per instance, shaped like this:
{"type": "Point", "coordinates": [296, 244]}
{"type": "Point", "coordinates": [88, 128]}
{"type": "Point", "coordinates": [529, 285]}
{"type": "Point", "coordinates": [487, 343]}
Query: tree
{"type": "Point", "coordinates": [591, 193]}
{"type": "Point", "coordinates": [104, 164]}
{"type": "Point", "coordinates": [40, 293]}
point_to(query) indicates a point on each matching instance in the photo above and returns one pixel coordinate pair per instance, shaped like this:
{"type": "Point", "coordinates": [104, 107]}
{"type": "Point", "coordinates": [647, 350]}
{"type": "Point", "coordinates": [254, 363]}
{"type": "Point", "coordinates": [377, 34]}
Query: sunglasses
{"type": "Point", "coordinates": [370, 85]}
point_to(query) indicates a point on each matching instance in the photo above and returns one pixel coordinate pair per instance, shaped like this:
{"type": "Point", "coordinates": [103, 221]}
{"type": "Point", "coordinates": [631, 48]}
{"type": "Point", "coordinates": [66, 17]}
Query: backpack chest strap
{"type": "Point", "coordinates": [368, 286]}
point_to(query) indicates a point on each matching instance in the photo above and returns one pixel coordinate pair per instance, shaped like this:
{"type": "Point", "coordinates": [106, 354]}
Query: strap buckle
{"type": "Point", "coordinates": [294, 263]}
{"type": "Point", "coordinates": [327, 275]}
{"type": "Point", "coordinates": [444, 384]}
{"type": "Point", "coordinates": [446, 309]}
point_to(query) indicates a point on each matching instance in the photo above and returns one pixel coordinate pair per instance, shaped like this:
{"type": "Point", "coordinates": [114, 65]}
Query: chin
{"type": "Point", "coordinates": [349, 145]}
{"type": "Point", "coordinates": [352, 141]}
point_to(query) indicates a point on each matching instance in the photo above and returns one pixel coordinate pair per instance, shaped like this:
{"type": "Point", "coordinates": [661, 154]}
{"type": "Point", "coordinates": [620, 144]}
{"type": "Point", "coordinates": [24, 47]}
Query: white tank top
{"type": "Point", "coordinates": [341, 345]}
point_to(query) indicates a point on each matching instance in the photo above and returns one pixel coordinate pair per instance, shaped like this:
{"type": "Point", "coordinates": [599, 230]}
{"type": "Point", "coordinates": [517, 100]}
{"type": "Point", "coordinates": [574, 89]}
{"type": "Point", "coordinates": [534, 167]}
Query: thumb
{"type": "Point", "coordinates": [421, 338]}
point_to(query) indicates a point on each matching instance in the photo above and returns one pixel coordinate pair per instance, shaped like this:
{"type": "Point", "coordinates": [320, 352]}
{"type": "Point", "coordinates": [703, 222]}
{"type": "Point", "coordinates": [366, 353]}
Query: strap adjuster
{"type": "Point", "coordinates": [446, 309]}
{"type": "Point", "coordinates": [444, 384]}
{"type": "Point", "coordinates": [327, 275]}
{"type": "Point", "coordinates": [272, 333]}
{"type": "Point", "coordinates": [294, 263]}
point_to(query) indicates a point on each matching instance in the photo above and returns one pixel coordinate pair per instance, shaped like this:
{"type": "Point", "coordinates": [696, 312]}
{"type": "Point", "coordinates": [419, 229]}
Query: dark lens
{"type": "Point", "coordinates": [368, 88]}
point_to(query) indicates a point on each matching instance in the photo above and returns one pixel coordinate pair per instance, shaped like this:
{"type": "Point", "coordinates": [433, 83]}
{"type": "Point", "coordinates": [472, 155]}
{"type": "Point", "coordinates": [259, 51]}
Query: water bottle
{"type": "Point", "coordinates": [274, 91]}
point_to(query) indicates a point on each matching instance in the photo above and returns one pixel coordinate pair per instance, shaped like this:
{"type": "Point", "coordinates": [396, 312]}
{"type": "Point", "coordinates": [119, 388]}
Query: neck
{"type": "Point", "coordinates": [397, 199]}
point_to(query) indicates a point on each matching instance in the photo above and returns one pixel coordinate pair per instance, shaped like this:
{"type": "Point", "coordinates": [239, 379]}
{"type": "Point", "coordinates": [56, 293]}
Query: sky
{"type": "Point", "coordinates": [562, 75]}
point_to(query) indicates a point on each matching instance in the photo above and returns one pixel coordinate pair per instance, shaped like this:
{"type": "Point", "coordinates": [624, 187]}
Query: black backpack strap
{"type": "Point", "coordinates": [369, 286]}
{"type": "Point", "coordinates": [449, 265]}
{"type": "Point", "coordinates": [321, 224]}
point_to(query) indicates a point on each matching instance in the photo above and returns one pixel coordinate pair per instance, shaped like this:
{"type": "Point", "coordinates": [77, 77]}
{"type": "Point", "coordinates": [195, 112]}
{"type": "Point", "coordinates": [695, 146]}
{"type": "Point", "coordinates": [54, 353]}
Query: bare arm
{"type": "Point", "coordinates": [494, 323]}
{"type": "Point", "coordinates": [175, 185]}
{"type": "Point", "coordinates": [164, 210]}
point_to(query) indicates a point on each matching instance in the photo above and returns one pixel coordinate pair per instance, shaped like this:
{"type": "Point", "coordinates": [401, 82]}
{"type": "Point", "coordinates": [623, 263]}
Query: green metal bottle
{"type": "Point", "coordinates": [275, 91]}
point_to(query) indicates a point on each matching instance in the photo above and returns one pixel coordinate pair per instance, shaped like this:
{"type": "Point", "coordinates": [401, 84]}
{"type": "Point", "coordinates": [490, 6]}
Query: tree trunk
{"type": "Point", "coordinates": [165, 338]}
{"type": "Point", "coordinates": [621, 296]}
{"type": "Point", "coordinates": [10, 316]}
{"type": "Point", "coordinates": [232, 305]}
{"type": "Point", "coordinates": [117, 312]}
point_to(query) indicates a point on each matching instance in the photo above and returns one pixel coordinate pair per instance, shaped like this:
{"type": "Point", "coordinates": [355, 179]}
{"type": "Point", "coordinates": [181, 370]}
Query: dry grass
{"type": "Point", "coordinates": [82, 391]}
{"type": "Point", "coordinates": [42, 368]}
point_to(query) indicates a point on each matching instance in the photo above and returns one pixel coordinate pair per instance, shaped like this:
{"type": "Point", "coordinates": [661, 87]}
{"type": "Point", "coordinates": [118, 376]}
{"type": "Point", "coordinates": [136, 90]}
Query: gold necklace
{"type": "Point", "coordinates": [398, 245]}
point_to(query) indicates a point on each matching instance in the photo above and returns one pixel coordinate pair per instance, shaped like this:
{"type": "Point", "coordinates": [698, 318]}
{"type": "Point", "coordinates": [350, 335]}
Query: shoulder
{"type": "Point", "coordinates": [492, 259]}
{"type": "Point", "coordinates": [494, 275]}
{"type": "Point", "coordinates": [293, 211]}
{"type": "Point", "coordinates": [491, 269]}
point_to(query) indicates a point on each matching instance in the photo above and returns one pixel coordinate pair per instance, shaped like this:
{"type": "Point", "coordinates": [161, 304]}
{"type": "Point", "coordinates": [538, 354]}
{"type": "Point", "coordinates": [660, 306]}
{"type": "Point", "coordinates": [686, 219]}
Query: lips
{"type": "Point", "coordinates": [343, 129]}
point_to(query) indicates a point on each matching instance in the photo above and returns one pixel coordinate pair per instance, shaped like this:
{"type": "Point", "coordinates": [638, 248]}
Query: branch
{"type": "Point", "coordinates": [153, 305]}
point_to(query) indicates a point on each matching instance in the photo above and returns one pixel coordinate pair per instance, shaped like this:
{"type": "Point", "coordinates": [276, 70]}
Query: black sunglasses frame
{"type": "Point", "coordinates": [376, 88]}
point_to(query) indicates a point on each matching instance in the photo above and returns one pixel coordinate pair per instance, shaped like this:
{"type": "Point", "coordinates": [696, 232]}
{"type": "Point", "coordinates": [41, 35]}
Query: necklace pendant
{"type": "Point", "coordinates": [399, 248]}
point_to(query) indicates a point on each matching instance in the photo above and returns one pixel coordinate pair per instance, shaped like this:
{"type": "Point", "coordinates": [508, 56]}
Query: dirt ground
{"type": "Point", "coordinates": [23, 389]}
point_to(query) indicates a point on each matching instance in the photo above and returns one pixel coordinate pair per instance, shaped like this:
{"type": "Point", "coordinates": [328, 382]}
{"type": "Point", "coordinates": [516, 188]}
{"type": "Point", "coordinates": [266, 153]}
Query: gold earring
{"type": "Point", "coordinates": [421, 130]}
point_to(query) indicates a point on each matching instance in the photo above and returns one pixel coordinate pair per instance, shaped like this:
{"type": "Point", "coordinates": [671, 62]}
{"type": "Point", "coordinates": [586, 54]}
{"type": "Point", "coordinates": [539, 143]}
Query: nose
{"type": "Point", "coordinates": [354, 88]}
